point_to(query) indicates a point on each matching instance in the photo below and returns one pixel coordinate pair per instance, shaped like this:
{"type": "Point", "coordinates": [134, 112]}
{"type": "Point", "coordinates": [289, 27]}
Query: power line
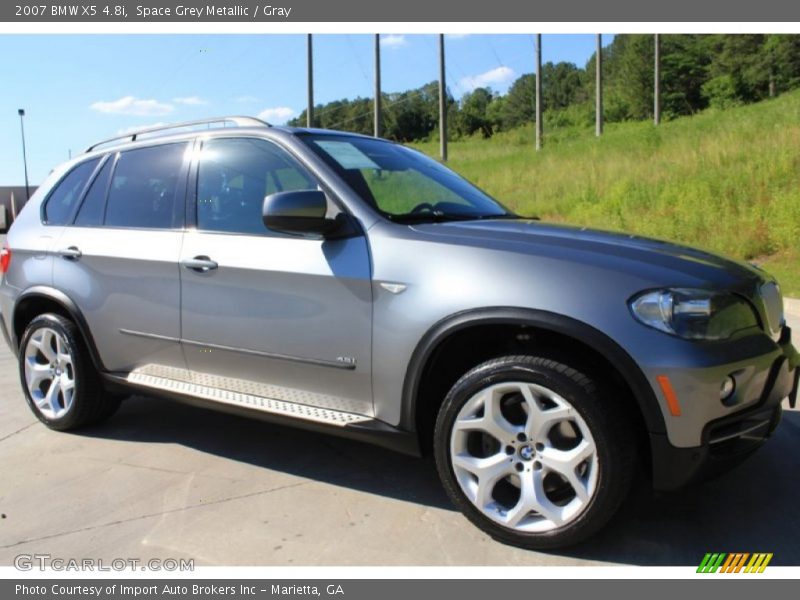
{"type": "Point", "coordinates": [492, 50]}
{"type": "Point", "coordinates": [411, 95]}
{"type": "Point", "coordinates": [358, 59]}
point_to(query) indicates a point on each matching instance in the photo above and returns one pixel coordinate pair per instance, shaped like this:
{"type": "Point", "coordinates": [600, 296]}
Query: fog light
{"type": "Point", "coordinates": [727, 388]}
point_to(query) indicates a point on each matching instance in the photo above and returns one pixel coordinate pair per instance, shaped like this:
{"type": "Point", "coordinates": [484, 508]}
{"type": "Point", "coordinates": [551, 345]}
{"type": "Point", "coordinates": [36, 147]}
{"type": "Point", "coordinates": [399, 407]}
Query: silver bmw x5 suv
{"type": "Point", "coordinates": [353, 286]}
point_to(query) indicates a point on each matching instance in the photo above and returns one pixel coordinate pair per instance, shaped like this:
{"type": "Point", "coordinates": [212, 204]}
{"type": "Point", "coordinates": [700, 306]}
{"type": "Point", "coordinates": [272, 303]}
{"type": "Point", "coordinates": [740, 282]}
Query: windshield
{"type": "Point", "coordinates": [402, 184]}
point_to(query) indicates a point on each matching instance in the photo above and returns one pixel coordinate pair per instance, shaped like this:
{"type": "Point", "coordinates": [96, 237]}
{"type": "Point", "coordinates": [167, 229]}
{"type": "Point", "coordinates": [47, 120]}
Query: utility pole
{"type": "Point", "coordinates": [598, 96]}
{"type": "Point", "coordinates": [377, 106]}
{"type": "Point", "coordinates": [657, 82]}
{"type": "Point", "coordinates": [442, 103]}
{"type": "Point", "coordinates": [310, 109]}
{"type": "Point", "coordinates": [21, 113]}
{"type": "Point", "coordinates": [538, 93]}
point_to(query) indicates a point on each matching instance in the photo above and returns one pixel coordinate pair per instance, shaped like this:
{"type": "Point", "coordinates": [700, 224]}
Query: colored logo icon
{"type": "Point", "coordinates": [736, 562]}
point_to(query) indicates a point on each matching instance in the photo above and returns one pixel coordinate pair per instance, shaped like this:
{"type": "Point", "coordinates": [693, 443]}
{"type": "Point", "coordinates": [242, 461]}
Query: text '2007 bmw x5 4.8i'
{"type": "Point", "coordinates": [354, 286]}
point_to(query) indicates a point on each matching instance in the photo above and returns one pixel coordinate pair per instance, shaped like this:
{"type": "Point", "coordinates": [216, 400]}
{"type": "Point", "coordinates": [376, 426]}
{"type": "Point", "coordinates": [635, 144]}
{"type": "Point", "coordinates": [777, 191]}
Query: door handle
{"type": "Point", "coordinates": [199, 264]}
{"type": "Point", "coordinates": [71, 253]}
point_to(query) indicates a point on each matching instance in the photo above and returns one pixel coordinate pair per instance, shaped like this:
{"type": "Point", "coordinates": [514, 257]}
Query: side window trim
{"type": "Point", "coordinates": [179, 210]}
{"type": "Point", "coordinates": [192, 181]}
{"type": "Point", "coordinates": [108, 187]}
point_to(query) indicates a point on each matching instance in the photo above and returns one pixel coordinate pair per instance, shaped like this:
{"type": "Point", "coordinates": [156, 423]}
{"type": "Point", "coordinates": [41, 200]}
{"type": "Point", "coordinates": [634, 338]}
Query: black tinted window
{"type": "Point", "coordinates": [143, 188]}
{"type": "Point", "coordinates": [233, 178]}
{"type": "Point", "coordinates": [91, 211]}
{"type": "Point", "coordinates": [67, 193]}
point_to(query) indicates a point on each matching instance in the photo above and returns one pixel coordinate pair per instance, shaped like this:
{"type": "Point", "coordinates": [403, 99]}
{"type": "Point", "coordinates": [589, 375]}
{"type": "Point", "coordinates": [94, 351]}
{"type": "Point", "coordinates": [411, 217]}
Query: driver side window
{"type": "Point", "coordinates": [235, 174]}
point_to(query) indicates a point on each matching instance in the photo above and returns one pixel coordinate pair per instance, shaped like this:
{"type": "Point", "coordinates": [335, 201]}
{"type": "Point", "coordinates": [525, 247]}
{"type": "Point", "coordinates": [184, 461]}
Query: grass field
{"type": "Point", "coordinates": [727, 181]}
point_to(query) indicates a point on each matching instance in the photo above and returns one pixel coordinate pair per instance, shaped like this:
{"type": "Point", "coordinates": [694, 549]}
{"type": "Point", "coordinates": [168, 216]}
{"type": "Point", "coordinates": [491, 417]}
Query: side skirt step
{"type": "Point", "coordinates": [292, 410]}
{"type": "Point", "coordinates": [325, 420]}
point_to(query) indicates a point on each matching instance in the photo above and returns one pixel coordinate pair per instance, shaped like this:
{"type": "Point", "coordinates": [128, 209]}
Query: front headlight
{"type": "Point", "coordinates": [693, 314]}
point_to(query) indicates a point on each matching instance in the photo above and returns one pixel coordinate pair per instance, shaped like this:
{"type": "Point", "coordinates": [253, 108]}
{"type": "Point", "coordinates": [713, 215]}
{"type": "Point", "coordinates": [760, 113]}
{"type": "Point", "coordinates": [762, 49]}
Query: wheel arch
{"type": "Point", "coordinates": [38, 300]}
{"type": "Point", "coordinates": [438, 335]}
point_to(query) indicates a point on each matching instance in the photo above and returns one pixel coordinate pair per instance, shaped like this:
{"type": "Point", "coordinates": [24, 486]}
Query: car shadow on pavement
{"type": "Point", "coordinates": [320, 457]}
{"type": "Point", "coordinates": [749, 509]}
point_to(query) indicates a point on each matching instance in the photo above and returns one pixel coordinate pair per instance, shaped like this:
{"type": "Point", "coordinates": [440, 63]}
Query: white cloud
{"type": "Point", "coordinates": [246, 99]}
{"type": "Point", "coordinates": [393, 40]}
{"type": "Point", "coordinates": [277, 115]}
{"type": "Point", "coordinates": [131, 105]}
{"type": "Point", "coordinates": [498, 75]}
{"type": "Point", "coordinates": [456, 36]}
{"type": "Point", "coordinates": [190, 100]}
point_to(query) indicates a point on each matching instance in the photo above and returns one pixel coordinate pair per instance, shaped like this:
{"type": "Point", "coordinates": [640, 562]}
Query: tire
{"type": "Point", "coordinates": [532, 453]}
{"type": "Point", "coordinates": [54, 358]}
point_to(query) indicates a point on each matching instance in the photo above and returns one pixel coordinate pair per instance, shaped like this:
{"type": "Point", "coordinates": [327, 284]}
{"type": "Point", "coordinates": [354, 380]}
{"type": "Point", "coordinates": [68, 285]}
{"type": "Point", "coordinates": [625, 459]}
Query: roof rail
{"type": "Point", "coordinates": [132, 136]}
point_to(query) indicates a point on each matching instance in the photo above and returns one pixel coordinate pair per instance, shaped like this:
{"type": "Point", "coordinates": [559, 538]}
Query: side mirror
{"type": "Point", "coordinates": [298, 212]}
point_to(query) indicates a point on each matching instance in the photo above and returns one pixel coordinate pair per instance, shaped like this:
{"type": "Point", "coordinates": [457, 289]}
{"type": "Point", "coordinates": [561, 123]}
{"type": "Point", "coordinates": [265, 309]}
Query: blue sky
{"type": "Point", "coordinates": [78, 89]}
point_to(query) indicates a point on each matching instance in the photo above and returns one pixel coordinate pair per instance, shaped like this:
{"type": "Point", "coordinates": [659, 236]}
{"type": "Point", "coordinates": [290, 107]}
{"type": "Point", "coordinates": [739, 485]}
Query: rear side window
{"type": "Point", "coordinates": [91, 211]}
{"type": "Point", "coordinates": [234, 176]}
{"type": "Point", "coordinates": [65, 196]}
{"type": "Point", "coordinates": [143, 188]}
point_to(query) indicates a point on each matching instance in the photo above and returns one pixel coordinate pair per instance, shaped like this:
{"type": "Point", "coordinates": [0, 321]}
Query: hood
{"type": "Point", "coordinates": [664, 262]}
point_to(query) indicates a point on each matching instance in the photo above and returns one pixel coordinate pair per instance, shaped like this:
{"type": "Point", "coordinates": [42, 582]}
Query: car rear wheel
{"type": "Point", "coordinates": [532, 452]}
{"type": "Point", "coordinates": [58, 377]}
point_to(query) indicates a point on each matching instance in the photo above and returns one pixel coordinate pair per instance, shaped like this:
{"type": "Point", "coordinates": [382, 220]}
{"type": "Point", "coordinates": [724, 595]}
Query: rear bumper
{"type": "Point", "coordinates": [729, 440]}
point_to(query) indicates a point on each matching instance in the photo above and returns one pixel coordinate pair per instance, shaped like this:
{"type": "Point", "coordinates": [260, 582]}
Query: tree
{"type": "Point", "coordinates": [628, 65]}
{"type": "Point", "coordinates": [782, 56]}
{"type": "Point", "coordinates": [519, 101]}
{"type": "Point", "coordinates": [562, 85]}
{"type": "Point", "coordinates": [473, 114]}
{"type": "Point", "coordinates": [738, 72]}
{"type": "Point", "coordinates": [414, 114]}
{"type": "Point", "coordinates": [684, 70]}
{"type": "Point", "coordinates": [346, 115]}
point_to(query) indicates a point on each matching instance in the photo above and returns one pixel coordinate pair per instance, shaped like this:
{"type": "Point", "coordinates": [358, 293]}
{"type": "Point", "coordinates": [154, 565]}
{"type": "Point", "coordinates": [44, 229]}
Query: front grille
{"type": "Point", "coordinates": [772, 300]}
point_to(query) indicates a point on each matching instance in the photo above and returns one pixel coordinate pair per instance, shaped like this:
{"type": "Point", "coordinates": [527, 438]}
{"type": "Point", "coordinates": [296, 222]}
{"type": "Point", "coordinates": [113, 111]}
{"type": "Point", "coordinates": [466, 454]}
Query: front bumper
{"type": "Point", "coordinates": [728, 440]}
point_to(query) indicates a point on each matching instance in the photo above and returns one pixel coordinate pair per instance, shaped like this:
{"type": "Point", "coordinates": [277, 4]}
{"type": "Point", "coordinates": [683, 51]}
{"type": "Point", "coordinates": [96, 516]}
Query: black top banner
{"type": "Point", "coordinates": [477, 11]}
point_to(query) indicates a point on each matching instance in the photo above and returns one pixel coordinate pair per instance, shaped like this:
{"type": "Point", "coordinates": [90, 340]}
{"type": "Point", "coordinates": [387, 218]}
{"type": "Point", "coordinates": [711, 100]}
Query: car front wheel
{"type": "Point", "coordinates": [532, 452]}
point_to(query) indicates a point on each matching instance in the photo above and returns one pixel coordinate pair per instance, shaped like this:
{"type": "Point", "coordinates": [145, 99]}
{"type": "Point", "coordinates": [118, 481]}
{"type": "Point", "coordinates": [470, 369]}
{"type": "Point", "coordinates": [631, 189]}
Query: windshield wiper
{"type": "Point", "coordinates": [510, 216]}
{"type": "Point", "coordinates": [441, 217]}
{"type": "Point", "coordinates": [430, 217]}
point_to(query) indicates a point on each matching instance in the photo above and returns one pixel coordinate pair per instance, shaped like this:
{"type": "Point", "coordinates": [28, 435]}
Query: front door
{"type": "Point", "coordinates": [266, 314]}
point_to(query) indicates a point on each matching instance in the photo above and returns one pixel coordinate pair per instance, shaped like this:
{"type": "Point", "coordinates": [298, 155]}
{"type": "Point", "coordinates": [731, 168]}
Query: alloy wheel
{"type": "Point", "coordinates": [524, 456]}
{"type": "Point", "coordinates": [50, 373]}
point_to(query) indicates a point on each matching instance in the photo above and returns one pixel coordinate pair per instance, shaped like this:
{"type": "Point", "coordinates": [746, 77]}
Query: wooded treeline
{"type": "Point", "coordinates": [697, 72]}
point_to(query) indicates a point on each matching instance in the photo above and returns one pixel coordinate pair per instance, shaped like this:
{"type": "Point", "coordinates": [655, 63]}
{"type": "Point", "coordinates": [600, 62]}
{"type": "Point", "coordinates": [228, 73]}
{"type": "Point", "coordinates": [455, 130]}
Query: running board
{"type": "Point", "coordinates": [291, 410]}
{"type": "Point", "coordinates": [340, 423]}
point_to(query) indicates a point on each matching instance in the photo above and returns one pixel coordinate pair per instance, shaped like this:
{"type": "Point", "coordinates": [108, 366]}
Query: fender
{"type": "Point", "coordinates": [59, 297]}
{"type": "Point", "coordinates": [631, 373]}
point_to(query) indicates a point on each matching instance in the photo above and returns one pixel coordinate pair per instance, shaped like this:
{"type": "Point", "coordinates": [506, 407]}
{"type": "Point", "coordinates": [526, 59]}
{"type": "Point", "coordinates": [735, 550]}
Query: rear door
{"type": "Point", "coordinates": [118, 261]}
{"type": "Point", "coordinates": [271, 315]}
